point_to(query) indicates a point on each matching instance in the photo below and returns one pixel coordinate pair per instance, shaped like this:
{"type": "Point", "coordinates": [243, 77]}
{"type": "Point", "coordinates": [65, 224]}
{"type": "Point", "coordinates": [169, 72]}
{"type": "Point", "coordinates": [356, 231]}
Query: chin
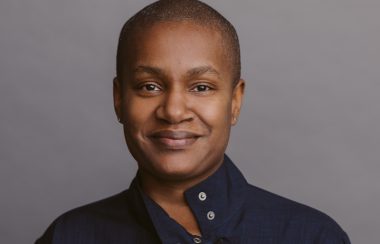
{"type": "Point", "coordinates": [174, 167]}
{"type": "Point", "coordinates": [182, 167]}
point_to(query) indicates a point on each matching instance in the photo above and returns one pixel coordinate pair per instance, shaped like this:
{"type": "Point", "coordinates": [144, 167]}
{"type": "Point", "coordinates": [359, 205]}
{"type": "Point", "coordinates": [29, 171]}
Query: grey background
{"type": "Point", "coordinates": [309, 128]}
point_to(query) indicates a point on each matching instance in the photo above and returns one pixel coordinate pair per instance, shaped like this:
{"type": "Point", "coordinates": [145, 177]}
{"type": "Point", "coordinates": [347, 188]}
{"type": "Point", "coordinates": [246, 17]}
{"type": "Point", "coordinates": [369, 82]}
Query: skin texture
{"type": "Point", "coordinates": [176, 101]}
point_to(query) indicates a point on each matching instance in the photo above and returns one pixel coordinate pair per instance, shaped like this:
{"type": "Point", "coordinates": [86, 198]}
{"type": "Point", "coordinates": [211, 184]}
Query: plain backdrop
{"type": "Point", "coordinates": [309, 128]}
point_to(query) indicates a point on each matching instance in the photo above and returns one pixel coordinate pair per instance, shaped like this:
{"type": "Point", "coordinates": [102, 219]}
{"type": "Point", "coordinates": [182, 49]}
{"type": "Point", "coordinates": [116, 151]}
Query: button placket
{"type": "Point", "coordinates": [202, 196]}
{"type": "Point", "coordinates": [210, 215]}
{"type": "Point", "coordinates": [197, 240]}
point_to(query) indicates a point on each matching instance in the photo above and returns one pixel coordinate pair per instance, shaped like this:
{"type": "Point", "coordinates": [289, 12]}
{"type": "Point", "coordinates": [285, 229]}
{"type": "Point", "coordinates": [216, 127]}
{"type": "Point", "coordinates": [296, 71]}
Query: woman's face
{"type": "Point", "coordinates": [176, 100]}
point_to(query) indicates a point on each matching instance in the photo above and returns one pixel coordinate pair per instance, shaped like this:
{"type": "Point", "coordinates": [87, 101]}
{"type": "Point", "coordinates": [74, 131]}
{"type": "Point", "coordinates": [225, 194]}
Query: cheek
{"type": "Point", "coordinates": [216, 113]}
{"type": "Point", "coordinates": [138, 113]}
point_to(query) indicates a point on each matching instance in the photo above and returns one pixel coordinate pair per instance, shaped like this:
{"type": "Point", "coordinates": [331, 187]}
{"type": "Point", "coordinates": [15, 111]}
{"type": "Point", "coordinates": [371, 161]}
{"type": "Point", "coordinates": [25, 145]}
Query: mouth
{"type": "Point", "coordinates": [174, 139]}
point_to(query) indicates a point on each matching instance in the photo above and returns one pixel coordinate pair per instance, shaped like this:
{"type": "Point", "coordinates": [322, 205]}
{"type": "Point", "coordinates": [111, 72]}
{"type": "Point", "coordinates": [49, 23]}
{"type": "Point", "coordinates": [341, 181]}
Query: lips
{"type": "Point", "coordinates": [174, 140]}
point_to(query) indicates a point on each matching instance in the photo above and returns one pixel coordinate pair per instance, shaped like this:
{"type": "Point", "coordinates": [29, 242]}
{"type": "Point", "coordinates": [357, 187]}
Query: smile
{"type": "Point", "coordinates": [174, 140]}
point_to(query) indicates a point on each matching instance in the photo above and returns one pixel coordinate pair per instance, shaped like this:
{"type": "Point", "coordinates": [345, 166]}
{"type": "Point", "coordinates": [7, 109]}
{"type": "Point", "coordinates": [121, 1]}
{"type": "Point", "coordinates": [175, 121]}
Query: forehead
{"type": "Point", "coordinates": [182, 43]}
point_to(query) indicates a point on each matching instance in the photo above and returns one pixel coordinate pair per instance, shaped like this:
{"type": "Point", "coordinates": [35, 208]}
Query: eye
{"type": "Point", "coordinates": [201, 88]}
{"type": "Point", "coordinates": [150, 87]}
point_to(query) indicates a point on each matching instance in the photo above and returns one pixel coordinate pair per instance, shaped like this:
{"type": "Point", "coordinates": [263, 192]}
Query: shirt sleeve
{"type": "Point", "coordinates": [333, 234]}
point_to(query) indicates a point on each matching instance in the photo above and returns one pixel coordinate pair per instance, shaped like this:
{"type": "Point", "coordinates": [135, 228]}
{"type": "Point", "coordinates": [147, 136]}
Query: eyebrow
{"type": "Point", "coordinates": [202, 70]}
{"type": "Point", "coordinates": [197, 71]}
{"type": "Point", "coordinates": [149, 70]}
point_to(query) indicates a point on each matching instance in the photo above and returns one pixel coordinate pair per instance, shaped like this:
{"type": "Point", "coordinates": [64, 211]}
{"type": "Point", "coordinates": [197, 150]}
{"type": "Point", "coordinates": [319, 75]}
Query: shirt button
{"type": "Point", "coordinates": [197, 240]}
{"type": "Point", "coordinates": [202, 196]}
{"type": "Point", "coordinates": [210, 215]}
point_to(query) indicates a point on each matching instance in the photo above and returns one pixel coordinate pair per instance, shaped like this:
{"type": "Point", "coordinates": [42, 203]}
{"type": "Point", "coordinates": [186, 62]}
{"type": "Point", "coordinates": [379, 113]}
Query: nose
{"type": "Point", "coordinates": [174, 108]}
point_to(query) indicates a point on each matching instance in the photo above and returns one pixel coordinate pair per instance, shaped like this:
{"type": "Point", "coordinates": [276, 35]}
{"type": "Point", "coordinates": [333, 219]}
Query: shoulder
{"type": "Point", "coordinates": [110, 213]}
{"type": "Point", "coordinates": [292, 219]}
{"type": "Point", "coordinates": [112, 207]}
{"type": "Point", "coordinates": [265, 202]}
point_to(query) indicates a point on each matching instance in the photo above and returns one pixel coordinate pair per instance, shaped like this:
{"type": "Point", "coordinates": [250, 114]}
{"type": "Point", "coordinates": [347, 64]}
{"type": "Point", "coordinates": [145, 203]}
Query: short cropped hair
{"type": "Point", "coordinates": [181, 10]}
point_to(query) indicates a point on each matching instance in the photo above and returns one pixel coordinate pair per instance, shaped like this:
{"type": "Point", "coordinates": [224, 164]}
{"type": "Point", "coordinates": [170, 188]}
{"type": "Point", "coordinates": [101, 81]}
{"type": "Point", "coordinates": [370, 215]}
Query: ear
{"type": "Point", "coordinates": [237, 100]}
{"type": "Point", "coordinates": [117, 98]}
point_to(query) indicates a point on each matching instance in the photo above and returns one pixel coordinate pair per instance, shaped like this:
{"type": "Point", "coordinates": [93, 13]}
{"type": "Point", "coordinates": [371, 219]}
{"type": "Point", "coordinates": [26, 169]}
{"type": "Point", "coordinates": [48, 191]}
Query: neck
{"type": "Point", "coordinates": [171, 198]}
{"type": "Point", "coordinates": [163, 192]}
{"type": "Point", "coordinates": [171, 190]}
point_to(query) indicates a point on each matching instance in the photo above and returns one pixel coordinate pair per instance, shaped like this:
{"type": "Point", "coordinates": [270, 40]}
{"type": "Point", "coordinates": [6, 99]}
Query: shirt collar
{"type": "Point", "coordinates": [213, 201]}
{"type": "Point", "coordinates": [217, 198]}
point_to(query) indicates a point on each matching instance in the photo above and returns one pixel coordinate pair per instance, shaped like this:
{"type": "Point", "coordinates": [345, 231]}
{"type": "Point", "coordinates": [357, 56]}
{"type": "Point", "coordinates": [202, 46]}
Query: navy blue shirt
{"type": "Point", "coordinates": [227, 208]}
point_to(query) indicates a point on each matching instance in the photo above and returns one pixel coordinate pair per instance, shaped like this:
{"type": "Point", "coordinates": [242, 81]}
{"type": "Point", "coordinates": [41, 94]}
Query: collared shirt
{"type": "Point", "coordinates": [226, 207]}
